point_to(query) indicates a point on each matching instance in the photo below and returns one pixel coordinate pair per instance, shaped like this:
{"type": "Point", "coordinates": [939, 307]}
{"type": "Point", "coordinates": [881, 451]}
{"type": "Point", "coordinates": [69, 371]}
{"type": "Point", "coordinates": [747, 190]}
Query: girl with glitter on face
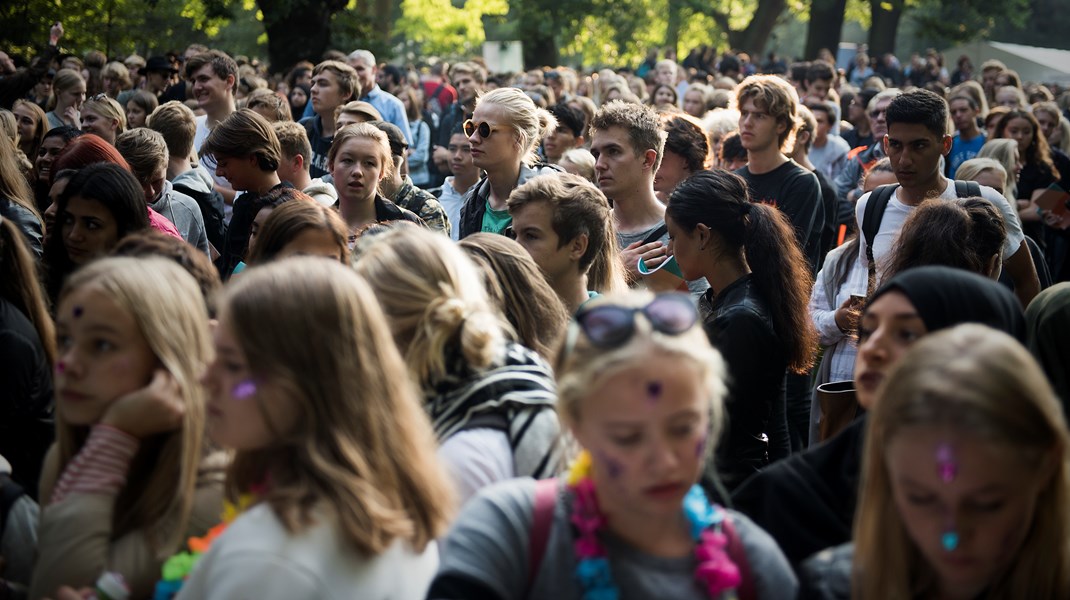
{"type": "Point", "coordinates": [642, 392]}
{"type": "Point", "coordinates": [128, 478]}
{"type": "Point", "coordinates": [966, 476]}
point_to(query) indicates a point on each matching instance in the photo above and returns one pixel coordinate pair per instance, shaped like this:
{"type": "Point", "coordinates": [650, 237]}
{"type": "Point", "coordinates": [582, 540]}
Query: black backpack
{"type": "Point", "coordinates": [211, 205]}
{"type": "Point", "coordinates": [878, 202]}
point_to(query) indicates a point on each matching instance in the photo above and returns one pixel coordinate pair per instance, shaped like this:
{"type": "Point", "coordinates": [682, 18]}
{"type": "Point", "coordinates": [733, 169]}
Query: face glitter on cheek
{"type": "Point", "coordinates": [700, 447]}
{"type": "Point", "coordinates": [946, 464]}
{"type": "Point", "coordinates": [244, 390]}
{"type": "Point", "coordinates": [61, 367]}
{"type": "Point", "coordinates": [613, 467]}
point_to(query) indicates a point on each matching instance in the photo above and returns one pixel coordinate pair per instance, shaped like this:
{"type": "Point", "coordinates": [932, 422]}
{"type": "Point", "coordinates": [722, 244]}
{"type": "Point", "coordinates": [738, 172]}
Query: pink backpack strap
{"type": "Point", "coordinates": [738, 555]}
{"type": "Point", "coordinates": [543, 518]}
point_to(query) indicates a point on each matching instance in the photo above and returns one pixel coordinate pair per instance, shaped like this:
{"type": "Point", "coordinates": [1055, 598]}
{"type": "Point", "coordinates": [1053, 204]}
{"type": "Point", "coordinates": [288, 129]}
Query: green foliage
{"type": "Point", "coordinates": [439, 28]}
{"type": "Point", "coordinates": [122, 27]}
{"type": "Point", "coordinates": [964, 20]}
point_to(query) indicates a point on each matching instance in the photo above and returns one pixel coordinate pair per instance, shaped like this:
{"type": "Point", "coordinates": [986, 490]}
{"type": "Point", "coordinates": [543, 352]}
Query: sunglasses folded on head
{"type": "Point", "coordinates": [610, 325]}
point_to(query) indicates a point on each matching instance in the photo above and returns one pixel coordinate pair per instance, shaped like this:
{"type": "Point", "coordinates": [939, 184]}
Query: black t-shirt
{"type": "Point", "coordinates": [317, 164]}
{"type": "Point", "coordinates": [835, 213]}
{"type": "Point", "coordinates": [797, 193]}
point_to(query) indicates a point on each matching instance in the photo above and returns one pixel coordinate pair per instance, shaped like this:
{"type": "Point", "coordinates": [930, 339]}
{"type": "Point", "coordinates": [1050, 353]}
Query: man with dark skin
{"type": "Point", "coordinates": [914, 143]}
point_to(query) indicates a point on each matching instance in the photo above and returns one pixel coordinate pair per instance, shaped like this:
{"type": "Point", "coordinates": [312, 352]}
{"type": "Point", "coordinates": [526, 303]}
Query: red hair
{"type": "Point", "coordinates": [86, 150]}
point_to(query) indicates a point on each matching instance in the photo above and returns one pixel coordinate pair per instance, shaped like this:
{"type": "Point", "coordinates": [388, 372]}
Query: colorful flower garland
{"type": "Point", "coordinates": [715, 569]}
{"type": "Point", "coordinates": [177, 568]}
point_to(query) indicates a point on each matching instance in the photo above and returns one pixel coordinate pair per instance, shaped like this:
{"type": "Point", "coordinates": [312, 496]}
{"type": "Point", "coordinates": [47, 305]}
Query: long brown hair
{"type": "Point", "coordinates": [977, 379]}
{"type": "Point", "coordinates": [363, 447]}
{"type": "Point", "coordinates": [1039, 152]}
{"type": "Point", "coordinates": [170, 313]}
{"type": "Point", "coordinates": [515, 283]}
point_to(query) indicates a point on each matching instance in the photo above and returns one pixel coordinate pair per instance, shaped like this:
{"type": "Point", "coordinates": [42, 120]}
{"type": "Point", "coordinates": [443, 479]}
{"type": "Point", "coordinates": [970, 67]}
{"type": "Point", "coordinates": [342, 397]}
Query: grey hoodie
{"type": "Point", "coordinates": [322, 192]}
{"type": "Point", "coordinates": [183, 211]}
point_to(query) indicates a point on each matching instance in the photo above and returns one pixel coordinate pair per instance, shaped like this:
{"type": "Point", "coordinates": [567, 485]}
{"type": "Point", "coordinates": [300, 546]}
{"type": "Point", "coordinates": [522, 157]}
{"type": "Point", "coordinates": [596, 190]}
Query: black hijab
{"type": "Point", "coordinates": [945, 297]}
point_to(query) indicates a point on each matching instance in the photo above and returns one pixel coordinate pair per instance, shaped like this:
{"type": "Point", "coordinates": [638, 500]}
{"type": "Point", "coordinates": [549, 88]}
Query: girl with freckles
{"type": "Point", "coordinates": [966, 480]}
{"type": "Point", "coordinates": [642, 392]}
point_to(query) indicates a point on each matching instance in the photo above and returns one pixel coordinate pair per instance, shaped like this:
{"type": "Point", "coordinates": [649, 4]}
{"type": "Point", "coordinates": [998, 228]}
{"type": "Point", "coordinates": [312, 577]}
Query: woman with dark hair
{"type": "Point", "coordinates": [90, 149]}
{"type": "Point", "coordinates": [754, 312]}
{"type": "Point", "coordinates": [964, 233]}
{"type": "Point", "coordinates": [52, 144]}
{"type": "Point", "coordinates": [298, 98]}
{"type": "Point", "coordinates": [100, 205]}
{"type": "Point", "coordinates": [663, 97]}
{"type": "Point", "coordinates": [807, 503]}
{"type": "Point", "coordinates": [1044, 166]}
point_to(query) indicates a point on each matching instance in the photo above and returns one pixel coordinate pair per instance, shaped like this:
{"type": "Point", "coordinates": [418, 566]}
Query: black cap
{"type": "Point", "coordinates": [398, 145]}
{"type": "Point", "coordinates": [157, 64]}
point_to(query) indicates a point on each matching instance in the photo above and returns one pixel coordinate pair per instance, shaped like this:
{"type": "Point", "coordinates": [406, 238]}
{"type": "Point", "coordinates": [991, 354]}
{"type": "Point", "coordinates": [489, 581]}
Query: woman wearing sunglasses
{"type": "Point", "coordinates": [505, 129]}
{"type": "Point", "coordinates": [642, 392]}
{"type": "Point", "coordinates": [754, 312]}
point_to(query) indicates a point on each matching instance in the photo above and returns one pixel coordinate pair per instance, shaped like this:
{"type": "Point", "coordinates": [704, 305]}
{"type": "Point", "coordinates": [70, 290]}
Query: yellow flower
{"type": "Point", "coordinates": [231, 511]}
{"type": "Point", "coordinates": [580, 468]}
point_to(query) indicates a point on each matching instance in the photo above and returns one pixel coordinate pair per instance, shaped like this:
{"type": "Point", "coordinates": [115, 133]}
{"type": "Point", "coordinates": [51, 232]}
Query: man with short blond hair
{"type": "Point", "coordinates": [293, 168]}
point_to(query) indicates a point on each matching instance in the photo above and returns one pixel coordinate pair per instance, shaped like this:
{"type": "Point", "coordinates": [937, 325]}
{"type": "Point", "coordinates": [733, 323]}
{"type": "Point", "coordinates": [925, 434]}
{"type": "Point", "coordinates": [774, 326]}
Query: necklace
{"type": "Point", "coordinates": [715, 569]}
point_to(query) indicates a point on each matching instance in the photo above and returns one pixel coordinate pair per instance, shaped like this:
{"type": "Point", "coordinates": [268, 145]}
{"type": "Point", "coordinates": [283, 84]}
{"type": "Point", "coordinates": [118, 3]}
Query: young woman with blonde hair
{"type": "Point", "coordinates": [334, 460]}
{"type": "Point", "coordinates": [491, 401]}
{"type": "Point", "coordinates": [68, 94]}
{"type": "Point", "coordinates": [103, 116]}
{"type": "Point", "coordinates": [505, 131]}
{"type": "Point", "coordinates": [127, 479]}
{"type": "Point", "coordinates": [642, 392]}
{"type": "Point", "coordinates": [33, 125]}
{"type": "Point", "coordinates": [966, 478]}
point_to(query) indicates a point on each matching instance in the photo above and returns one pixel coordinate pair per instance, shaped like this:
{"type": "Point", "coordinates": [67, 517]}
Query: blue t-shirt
{"type": "Point", "coordinates": [962, 151]}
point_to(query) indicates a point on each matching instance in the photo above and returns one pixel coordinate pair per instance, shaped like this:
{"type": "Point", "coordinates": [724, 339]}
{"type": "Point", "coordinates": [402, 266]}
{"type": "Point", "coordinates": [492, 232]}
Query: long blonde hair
{"type": "Point", "coordinates": [363, 447]}
{"type": "Point", "coordinates": [434, 299]}
{"type": "Point", "coordinates": [976, 379]}
{"type": "Point", "coordinates": [170, 313]}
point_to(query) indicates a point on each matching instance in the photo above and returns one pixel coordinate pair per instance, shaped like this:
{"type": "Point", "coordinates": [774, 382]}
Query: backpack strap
{"type": "Point", "coordinates": [543, 518]}
{"type": "Point", "coordinates": [871, 221]}
{"type": "Point", "coordinates": [656, 234]}
{"type": "Point", "coordinates": [967, 189]}
{"type": "Point", "coordinates": [738, 555]}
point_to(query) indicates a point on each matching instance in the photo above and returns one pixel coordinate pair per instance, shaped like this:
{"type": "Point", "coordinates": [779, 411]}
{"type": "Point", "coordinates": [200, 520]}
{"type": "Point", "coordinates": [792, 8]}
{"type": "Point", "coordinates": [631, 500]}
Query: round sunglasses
{"type": "Point", "coordinates": [611, 325]}
{"type": "Point", "coordinates": [484, 128]}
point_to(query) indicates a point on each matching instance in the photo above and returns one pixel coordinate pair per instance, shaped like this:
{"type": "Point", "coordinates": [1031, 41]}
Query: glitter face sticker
{"type": "Point", "coordinates": [77, 312]}
{"type": "Point", "coordinates": [613, 467]}
{"type": "Point", "coordinates": [653, 391]}
{"type": "Point", "coordinates": [700, 447]}
{"type": "Point", "coordinates": [946, 463]}
{"type": "Point", "coordinates": [244, 390]}
{"type": "Point", "coordinates": [949, 540]}
{"type": "Point", "coordinates": [61, 367]}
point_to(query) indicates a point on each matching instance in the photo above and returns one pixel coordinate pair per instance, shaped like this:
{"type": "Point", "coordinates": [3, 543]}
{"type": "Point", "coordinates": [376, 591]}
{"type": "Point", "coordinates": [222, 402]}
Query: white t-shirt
{"type": "Point", "coordinates": [896, 213]}
{"type": "Point", "coordinates": [257, 558]}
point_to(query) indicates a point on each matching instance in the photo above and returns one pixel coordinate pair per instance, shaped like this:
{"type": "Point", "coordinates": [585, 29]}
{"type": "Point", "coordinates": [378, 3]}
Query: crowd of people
{"type": "Point", "coordinates": [356, 329]}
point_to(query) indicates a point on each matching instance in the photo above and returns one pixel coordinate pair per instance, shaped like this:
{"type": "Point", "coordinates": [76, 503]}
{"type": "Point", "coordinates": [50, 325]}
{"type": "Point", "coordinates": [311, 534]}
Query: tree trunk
{"type": "Point", "coordinates": [540, 49]}
{"type": "Point", "coordinates": [885, 17]}
{"type": "Point", "coordinates": [296, 30]}
{"type": "Point", "coordinates": [754, 38]}
{"type": "Point", "coordinates": [826, 25]}
{"type": "Point", "coordinates": [672, 31]}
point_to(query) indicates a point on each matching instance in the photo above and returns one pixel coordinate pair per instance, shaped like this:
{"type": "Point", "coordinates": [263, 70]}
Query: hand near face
{"type": "Point", "coordinates": [73, 117]}
{"type": "Point", "coordinates": [155, 408]}
{"type": "Point", "coordinates": [653, 254]}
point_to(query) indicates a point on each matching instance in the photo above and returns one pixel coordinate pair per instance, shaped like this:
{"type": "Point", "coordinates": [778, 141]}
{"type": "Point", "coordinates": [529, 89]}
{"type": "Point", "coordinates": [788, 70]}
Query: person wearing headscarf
{"type": "Point", "coordinates": [807, 502]}
{"type": "Point", "coordinates": [1048, 337]}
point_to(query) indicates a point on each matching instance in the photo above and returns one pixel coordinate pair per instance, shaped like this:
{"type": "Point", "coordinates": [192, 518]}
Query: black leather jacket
{"type": "Point", "coordinates": [738, 323]}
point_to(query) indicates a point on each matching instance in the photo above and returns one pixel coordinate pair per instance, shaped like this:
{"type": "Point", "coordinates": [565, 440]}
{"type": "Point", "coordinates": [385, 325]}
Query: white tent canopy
{"type": "Point", "coordinates": [1040, 65]}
